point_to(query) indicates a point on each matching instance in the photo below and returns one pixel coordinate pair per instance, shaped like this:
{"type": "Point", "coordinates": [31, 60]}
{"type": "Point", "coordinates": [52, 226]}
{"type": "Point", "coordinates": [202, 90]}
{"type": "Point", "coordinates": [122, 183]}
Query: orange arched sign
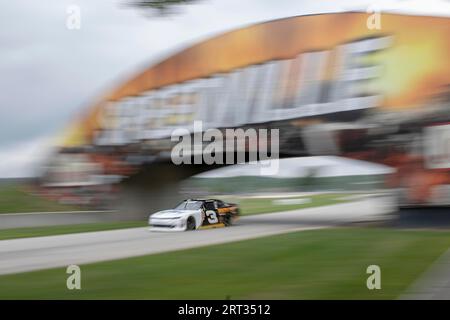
{"type": "Point", "coordinates": [291, 68]}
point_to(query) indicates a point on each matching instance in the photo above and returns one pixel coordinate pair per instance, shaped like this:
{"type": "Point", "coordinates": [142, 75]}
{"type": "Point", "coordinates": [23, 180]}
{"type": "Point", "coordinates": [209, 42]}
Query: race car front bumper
{"type": "Point", "coordinates": [162, 224]}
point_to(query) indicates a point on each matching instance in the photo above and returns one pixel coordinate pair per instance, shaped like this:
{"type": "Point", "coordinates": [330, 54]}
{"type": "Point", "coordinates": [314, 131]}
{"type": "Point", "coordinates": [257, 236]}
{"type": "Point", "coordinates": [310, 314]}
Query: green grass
{"type": "Point", "coordinates": [319, 264]}
{"type": "Point", "coordinates": [251, 206]}
{"type": "Point", "coordinates": [14, 198]}
{"type": "Point", "coordinates": [65, 229]}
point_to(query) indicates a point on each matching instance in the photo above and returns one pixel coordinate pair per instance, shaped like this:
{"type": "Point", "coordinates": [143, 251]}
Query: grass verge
{"type": "Point", "coordinates": [251, 206]}
{"type": "Point", "coordinates": [14, 198]}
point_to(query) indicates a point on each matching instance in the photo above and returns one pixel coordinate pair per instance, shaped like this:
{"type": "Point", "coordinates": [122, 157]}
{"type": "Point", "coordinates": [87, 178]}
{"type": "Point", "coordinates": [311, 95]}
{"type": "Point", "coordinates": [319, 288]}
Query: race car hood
{"type": "Point", "coordinates": [173, 213]}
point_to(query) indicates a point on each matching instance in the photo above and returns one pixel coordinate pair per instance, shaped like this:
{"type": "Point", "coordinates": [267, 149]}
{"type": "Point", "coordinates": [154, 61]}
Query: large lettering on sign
{"type": "Point", "coordinates": [312, 83]}
{"type": "Point", "coordinates": [306, 67]}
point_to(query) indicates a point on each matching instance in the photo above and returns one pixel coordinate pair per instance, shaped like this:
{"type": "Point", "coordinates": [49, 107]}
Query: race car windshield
{"type": "Point", "coordinates": [189, 205]}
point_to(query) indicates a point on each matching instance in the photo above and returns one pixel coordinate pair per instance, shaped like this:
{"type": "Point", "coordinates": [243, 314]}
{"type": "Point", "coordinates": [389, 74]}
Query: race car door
{"type": "Point", "coordinates": [211, 214]}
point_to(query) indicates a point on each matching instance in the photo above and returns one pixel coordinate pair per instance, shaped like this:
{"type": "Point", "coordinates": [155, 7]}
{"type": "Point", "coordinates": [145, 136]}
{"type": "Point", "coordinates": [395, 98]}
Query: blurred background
{"type": "Point", "coordinates": [359, 92]}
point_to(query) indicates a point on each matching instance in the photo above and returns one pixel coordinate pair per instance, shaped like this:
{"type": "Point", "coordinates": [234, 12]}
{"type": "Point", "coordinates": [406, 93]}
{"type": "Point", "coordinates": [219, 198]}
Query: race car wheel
{"type": "Point", "coordinates": [228, 220]}
{"type": "Point", "coordinates": [190, 224]}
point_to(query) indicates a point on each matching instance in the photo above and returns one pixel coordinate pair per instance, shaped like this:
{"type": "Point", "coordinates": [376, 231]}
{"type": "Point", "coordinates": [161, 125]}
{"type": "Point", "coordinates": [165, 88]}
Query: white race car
{"type": "Point", "coordinates": [192, 214]}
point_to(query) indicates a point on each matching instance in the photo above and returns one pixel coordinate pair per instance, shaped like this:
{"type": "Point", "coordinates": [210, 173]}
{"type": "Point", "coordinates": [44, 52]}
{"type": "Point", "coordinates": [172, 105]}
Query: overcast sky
{"type": "Point", "coordinates": [49, 73]}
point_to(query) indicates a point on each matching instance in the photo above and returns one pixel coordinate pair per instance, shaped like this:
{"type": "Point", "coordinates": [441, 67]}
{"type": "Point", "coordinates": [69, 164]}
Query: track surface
{"type": "Point", "coordinates": [21, 255]}
{"type": "Point", "coordinates": [434, 284]}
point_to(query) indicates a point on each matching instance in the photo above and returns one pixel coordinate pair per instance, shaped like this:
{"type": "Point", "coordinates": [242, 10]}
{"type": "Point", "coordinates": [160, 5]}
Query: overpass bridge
{"type": "Point", "coordinates": [307, 85]}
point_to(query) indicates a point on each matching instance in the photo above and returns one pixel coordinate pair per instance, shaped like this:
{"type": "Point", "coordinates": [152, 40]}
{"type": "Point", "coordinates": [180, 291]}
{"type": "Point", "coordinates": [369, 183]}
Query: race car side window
{"type": "Point", "coordinates": [220, 204]}
{"type": "Point", "coordinates": [209, 205]}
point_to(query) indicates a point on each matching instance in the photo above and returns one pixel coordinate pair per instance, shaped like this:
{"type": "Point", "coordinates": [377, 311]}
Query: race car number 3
{"type": "Point", "coordinates": [212, 217]}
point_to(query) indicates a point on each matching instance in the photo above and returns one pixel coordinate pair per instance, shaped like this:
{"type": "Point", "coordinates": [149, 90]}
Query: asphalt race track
{"type": "Point", "coordinates": [21, 255]}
